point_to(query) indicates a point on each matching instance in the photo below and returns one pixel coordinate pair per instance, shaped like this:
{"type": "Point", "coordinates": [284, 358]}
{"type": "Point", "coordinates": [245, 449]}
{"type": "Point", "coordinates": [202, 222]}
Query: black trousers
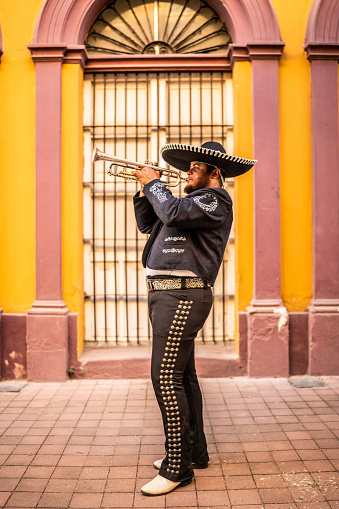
{"type": "Point", "coordinates": [176, 317]}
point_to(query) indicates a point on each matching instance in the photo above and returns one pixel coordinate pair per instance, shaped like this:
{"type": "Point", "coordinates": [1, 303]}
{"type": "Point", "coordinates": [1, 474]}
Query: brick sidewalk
{"type": "Point", "coordinates": [91, 444]}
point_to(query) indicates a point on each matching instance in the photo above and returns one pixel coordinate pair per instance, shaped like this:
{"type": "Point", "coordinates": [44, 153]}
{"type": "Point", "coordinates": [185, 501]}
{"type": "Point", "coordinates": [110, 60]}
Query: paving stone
{"type": "Point", "coordinates": [112, 500]}
{"type": "Point", "coordinates": [32, 485]}
{"type": "Point", "coordinates": [239, 482]}
{"type": "Point", "coordinates": [142, 502]}
{"type": "Point", "coordinates": [88, 500]}
{"type": "Point", "coordinates": [20, 499]}
{"type": "Point", "coordinates": [4, 496]}
{"type": "Point", "coordinates": [61, 485]}
{"type": "Point", "coordinates": [275, 495]}
{"type": "Point", "coordinates": [238, 497]}
{"type": "Point", "coordinates": [55, 500]}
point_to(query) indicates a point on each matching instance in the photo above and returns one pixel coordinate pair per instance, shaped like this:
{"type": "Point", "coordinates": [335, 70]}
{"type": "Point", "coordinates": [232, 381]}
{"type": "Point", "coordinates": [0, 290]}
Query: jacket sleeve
{"type": "Point", "coordinates": [144, 213]}
{"type": "Point", "coordinates": [200, 209]}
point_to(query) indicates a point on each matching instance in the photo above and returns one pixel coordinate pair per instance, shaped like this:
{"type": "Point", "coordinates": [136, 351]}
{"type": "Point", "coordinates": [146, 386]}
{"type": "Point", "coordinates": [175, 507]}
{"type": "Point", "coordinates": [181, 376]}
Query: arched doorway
{"type": "Point", "coordinates": [131, 115]}
{"type": "Point", "coordinates": [58, 45]}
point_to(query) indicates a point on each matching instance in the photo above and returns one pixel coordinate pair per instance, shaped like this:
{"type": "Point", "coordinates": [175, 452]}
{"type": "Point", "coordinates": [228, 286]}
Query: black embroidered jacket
{"type": "Point", "coordinates": [188, 233]}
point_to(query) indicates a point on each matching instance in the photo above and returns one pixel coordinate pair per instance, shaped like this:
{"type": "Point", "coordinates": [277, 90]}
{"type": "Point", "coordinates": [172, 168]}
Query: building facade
{"type": "Point", "coordinates": [276, 84]}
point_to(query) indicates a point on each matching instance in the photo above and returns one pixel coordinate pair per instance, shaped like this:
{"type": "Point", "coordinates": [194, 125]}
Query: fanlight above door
{"type": "Point", "coordinates": [157, 27]}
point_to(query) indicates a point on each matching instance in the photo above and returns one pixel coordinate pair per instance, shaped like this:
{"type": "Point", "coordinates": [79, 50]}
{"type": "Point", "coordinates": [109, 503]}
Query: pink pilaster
{"type": "Point", "coordinates": [324, 310]}
{"type": "Point", "coordinates": [47, 321]}
{"type": "Point", "coordinates": [268, 319]}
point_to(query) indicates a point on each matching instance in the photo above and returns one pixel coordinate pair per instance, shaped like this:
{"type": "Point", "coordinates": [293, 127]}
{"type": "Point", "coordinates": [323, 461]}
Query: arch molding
{"type": "Point", "coordinates": [67, 22]}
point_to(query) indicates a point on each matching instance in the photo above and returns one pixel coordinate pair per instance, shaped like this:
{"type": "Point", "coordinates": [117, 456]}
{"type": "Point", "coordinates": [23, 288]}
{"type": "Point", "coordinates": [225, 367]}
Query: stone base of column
{"type": "Point", "coordinates": [268, 339]}
{"type": "Point", "coordinates": [324, 337]}
{"type": "Point", "coordinates": [47, 342]}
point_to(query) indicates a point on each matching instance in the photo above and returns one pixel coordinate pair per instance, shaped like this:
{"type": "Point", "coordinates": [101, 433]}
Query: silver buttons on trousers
{"type": "Point", "coordinates": [167, 388]}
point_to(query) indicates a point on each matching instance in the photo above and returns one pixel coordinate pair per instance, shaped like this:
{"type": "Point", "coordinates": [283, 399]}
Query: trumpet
{"type": "Point", "coordinates": [129, 177]}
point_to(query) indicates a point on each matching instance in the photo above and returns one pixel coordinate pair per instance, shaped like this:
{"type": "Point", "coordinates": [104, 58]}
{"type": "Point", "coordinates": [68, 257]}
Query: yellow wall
{"type": "Point", "coordinates": [296, 156]}
{"type": "Point", "coordinates": [72, 193]}
{"type": "Point", "coordinates": [17, 175]}
{"type": "Point", "coordinates": [296, 166]}
{"type": "Point", "coordinates": [17, 159]}
{"type": "Point", "coordinates": [243, 205]}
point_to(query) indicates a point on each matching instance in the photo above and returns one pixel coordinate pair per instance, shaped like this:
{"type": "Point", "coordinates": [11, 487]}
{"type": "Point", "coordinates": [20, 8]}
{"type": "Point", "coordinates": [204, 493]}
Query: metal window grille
{"type": "Point", "coordinates": [132, 115]}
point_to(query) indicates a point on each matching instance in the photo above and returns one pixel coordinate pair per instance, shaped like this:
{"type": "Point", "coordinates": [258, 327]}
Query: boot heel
{"type": "Point", "coordinates": [185, 483]}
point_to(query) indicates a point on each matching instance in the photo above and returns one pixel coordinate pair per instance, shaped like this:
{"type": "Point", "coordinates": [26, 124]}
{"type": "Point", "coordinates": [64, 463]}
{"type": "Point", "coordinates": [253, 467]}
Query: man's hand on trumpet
{"type": "Point", "coordinates": [146, 174]}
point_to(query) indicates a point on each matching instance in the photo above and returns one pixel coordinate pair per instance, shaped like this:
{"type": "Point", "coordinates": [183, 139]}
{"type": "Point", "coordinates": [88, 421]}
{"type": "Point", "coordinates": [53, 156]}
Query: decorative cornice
{"type": "Point", "coordinates": [238, 53]}
{"type": "Point", "coordinates": [59, 53]}
{"type": "Point", "coordinates": [255, 51]}
{"type": "Point", "coordinates": [76, 55]}
{"type": "Point", "coordinates": [165, 63]}
{"type": "Point", "coordinates": [47, 52]}
{"type": "Point", "coordinates": [265, 50]}
{"type": "Point", "coordinates": [322, 51]}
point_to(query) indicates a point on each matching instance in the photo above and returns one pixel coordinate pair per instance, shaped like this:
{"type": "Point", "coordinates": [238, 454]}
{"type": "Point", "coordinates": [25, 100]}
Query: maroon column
{"type": "Point", "coordinates": [324, 310]}
{"type": "Point", "coordinates": [47, 321]}
{"type": "Point", "coordinates": [268, 318]}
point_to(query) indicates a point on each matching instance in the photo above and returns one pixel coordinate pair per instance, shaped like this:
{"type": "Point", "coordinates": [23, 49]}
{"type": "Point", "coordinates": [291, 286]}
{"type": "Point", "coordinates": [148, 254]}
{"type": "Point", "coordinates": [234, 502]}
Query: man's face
{"type": "Point", "coordinates": [198, 177]}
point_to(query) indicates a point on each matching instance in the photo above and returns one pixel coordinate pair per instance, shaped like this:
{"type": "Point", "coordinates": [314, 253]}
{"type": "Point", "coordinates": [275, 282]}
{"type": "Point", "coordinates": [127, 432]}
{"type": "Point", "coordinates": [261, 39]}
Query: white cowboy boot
{"type": "Point", "coordinates": [157, 464]}
{"type": "Point", "coordinates": [160, 486]}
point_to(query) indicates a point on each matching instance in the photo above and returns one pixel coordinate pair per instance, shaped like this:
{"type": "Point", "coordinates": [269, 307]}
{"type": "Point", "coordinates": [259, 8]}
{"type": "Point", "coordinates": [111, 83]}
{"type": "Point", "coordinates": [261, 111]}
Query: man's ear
{"type": "Point", "coordinates": [216, 173]}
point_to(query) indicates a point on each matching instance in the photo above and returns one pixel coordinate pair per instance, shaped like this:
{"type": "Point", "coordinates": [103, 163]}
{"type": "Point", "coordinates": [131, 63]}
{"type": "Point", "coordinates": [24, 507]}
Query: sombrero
{"type": "Point", "coordinates": [213, 153]}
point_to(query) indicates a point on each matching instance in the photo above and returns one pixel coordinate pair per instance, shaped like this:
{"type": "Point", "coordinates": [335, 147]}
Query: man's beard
{"type": "Point", "coordinates": [201, 184]}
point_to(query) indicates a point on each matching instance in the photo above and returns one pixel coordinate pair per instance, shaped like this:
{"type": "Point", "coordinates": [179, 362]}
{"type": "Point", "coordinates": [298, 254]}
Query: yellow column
{"type": "Point", "coordinates": [243, 206]}
{"type": "Point", "coordinates": [72, 193]}
{"type": "Point", "coordinates": [296, 157]}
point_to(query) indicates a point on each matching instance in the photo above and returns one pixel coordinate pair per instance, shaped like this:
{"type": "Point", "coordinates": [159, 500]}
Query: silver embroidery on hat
{"type": "Point", "coordinates": [208, 151]}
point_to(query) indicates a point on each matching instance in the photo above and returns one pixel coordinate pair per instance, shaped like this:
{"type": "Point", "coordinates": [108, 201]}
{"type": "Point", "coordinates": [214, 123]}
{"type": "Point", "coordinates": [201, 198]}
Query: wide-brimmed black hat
{"type": "Point", "coordinates": [181, 156]}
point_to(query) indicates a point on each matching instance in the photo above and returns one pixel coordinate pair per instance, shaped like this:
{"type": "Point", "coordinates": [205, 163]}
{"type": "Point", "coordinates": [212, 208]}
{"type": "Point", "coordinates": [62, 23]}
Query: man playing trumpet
{"type": "Point", "coordinates": [182, 256]}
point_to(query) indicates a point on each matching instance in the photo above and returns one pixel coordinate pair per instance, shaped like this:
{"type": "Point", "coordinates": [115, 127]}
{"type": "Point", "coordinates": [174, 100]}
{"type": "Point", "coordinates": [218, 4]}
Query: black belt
{"type": "Point", "coordinates": [176, 283]}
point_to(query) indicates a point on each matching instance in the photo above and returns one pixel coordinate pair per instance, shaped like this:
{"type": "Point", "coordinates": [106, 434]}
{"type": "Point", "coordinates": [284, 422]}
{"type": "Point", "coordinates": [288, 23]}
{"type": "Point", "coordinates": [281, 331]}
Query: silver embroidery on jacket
{"type": "Point", "coordinates": [157, 190]}
{"type": "Point", "coordinates": [209, 207]}
{"type": "Point", "coordinates": [173, 250]}
{"type": "Point", "coordinates": [175, 239]}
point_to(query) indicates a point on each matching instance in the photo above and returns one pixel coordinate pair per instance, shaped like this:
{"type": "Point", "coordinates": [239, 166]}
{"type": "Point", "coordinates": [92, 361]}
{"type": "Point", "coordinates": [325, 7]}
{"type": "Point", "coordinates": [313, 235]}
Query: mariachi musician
{"type": "Point", "coordinates": [182, 256]}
